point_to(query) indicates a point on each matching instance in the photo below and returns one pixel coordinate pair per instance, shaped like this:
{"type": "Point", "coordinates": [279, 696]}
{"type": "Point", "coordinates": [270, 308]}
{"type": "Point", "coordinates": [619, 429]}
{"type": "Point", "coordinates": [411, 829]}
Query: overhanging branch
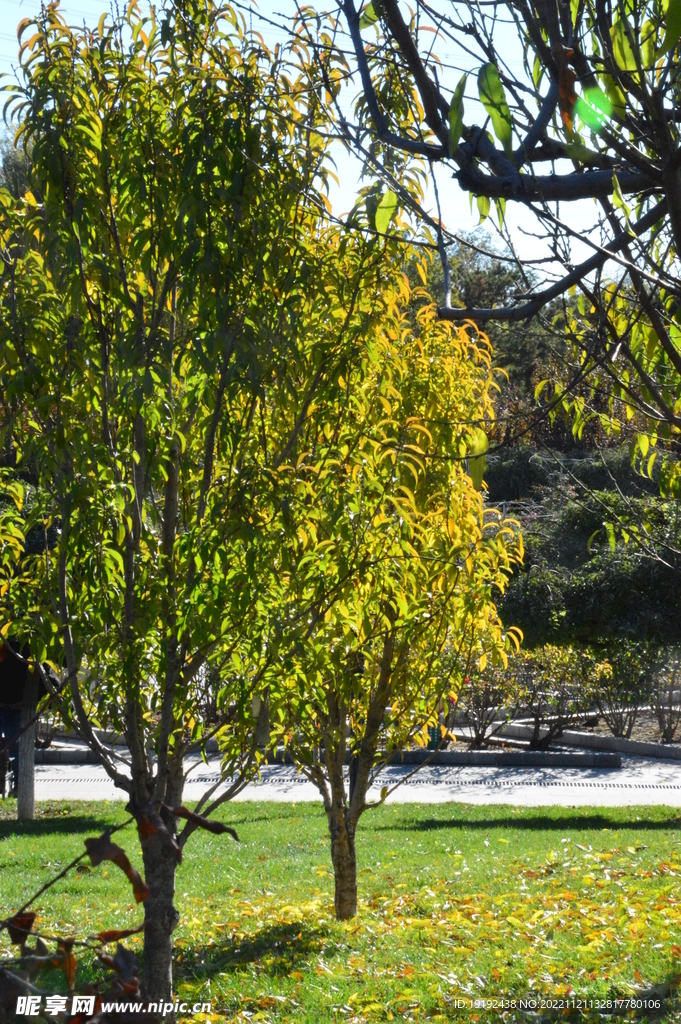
{"type": "Point", "coordinates": [510, 314]}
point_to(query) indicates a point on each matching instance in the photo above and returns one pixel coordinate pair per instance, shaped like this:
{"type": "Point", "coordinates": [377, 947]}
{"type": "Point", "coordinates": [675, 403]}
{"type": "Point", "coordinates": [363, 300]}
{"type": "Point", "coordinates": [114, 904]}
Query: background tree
{"type": "Point", "coordinates": [602, 551]}
{"type": "Point", "coordinates": [626, 685]}
{"type": "Point", "coordinates": [666, 696]}
{"type": "Point", "coordinates": [174, 310]}
{"type": "Point", "coordinates": [15, 166]}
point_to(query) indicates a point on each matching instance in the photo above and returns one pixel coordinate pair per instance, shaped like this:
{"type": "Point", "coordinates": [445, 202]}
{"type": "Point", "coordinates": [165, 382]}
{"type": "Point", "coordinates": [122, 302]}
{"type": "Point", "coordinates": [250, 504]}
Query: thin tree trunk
{"type": "Point", "coordinates": [344, 866]}
{"type": "Point", "coordinates": [160, 915]}
{"type": "Point", "coordinates": [26, 780]}
{"type": "Point", "coordinates": [160, 919]}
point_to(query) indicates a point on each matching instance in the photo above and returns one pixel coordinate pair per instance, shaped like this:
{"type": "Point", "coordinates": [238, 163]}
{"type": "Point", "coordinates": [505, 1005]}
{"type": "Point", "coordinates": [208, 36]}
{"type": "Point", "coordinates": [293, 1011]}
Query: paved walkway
{"type": "Point", "coordinates": [639, 781]}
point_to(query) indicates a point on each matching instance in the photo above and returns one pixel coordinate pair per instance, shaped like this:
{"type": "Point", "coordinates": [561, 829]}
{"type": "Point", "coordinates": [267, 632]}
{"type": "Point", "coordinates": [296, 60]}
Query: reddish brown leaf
{"type": "Point", "coordinates": [81, 1018]}
{"type": "Point", "coordinates": [113, 936]}
{"type": "Point", "coordinates": [150, 823]}
{"type": "Point", "coordinates": [19, 927]}
{"type": "Point", "coordinates": [103, 849]}
{"type": "Point", "coordinates": [566, 88]}
{"type": "Point", "coordinates": [144, 828]}
{"type": "Point", "coordinates": [66, 960]}
{"type": "Point", "coordinates": [216, 827]}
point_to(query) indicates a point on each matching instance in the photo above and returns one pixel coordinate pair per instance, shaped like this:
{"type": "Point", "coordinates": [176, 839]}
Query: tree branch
{"type": "Point", "coordinates": [531, 308]}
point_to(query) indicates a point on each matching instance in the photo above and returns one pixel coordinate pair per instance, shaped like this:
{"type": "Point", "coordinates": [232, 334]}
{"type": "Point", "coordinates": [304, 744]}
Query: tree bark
{"type": "Point", "coordinates": [160, 915]}
{"type": "Point", "coordinates": [160, 919]}
{"type": "Point", "coordinates": [26, 780]}
{"type": "Point", "coordinates": [344, 865]}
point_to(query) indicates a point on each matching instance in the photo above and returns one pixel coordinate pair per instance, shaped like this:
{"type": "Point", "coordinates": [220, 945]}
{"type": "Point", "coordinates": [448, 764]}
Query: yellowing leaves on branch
{"type": "Point", "coordinates": [407, 559]}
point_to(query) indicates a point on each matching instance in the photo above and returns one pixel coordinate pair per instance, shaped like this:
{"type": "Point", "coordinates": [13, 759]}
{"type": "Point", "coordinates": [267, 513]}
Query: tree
{"type": "Point", "coordinates": [578, 584]}
{"type": "Point", "coordinates": [626, 684]}
{"type": "Point", "coordinates": [398, 531]}
{"type": "Point", "coordinates": [597, 99]}
{"type": "Point", "coordinates": [175, 314]}
{"type": "Point", "coordinates": [552, 690]}
{"type": "Point", "coordinates": [666, 700]}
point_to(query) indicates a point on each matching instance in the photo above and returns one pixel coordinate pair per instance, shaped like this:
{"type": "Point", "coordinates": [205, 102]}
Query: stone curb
{"type": "Point", "coordinates": [511, 759]}
{"type": "Point", "coordinates": [572, 738]}
{"type": "Point", "coordinates": [443, 758]}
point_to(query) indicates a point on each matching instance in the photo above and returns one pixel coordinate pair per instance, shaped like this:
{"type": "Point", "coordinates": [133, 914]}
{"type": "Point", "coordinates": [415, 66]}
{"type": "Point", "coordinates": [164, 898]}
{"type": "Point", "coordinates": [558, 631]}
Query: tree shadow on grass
{"type": "Point", "coordinates": [65, 825]}
{"type": "Point", "coordinates": [537, 823]}
{"type": "Point", "coordinates": [278, 948]}
{"type": "Point", "coordinates": [246, 820]}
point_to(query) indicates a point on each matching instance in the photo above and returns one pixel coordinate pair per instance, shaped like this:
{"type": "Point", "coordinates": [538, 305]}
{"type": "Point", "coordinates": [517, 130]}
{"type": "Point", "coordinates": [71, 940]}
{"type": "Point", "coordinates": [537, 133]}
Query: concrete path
{"type": "Point", "coordinates": [638, 781]}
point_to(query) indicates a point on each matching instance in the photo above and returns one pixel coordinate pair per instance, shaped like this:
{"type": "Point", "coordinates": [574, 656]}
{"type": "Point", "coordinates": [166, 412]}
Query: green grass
{"type": "Point", "coordinates": [455, 902]}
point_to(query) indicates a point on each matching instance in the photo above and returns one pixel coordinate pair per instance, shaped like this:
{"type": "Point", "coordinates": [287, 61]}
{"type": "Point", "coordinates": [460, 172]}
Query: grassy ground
{"type": "Point", "coordinates": [457, 902]}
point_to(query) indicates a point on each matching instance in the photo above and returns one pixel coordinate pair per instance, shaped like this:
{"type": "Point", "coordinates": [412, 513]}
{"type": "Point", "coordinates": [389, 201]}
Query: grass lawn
{"type": "Point", "coordinates": [455, 902]}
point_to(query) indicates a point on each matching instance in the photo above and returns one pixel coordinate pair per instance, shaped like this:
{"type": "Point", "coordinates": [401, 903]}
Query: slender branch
{"type": "Point", "coordinates": [534, 304]}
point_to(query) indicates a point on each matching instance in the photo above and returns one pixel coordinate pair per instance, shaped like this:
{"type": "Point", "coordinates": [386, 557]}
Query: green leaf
{"type": "Point", "coordinates": [369, 16]}
{"type": "Point", "coordinates": [648, 37]}
{"type": "Point", "coordinates": [476, 470]}
{"type": "Point", "coordinates": [483, 208]}
{"type": "Point", "coordinates": [615, 95]}
{"type": "Point", "coordinates": [593, 108]}
{"type": "Point", "coordinates": [385, 211]}
{"type": "Point", "coordinates": [618, 200]}
{"type": "Point", "coordinates": [621, 47]}
{"type": "Point", "coordinates": [493, 99]}
{"type": "Point", "coordinates": [673, 30]}
{"type": "Point", "coordinates": [456, 115]}
{"type": "Point", "coordinates": [478, 444]}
